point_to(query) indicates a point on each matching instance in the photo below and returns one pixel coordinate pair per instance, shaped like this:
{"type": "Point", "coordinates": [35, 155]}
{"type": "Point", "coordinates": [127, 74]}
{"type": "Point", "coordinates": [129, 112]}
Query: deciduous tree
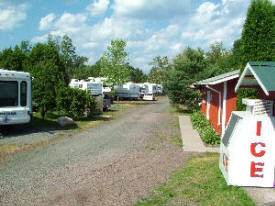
{"type": "Point", "coordinates": [113, 63]}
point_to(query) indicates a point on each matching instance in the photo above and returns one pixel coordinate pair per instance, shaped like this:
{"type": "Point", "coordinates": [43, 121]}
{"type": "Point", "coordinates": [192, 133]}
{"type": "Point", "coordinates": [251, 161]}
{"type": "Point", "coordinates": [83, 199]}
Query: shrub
{"type": "Point", "coordinates": [75, 103]}
{"type": "Point", "coordinates": [205, 129]}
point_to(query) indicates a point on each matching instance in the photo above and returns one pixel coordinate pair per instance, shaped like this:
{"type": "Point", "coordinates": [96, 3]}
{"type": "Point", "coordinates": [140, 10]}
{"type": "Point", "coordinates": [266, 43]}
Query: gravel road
{"type": "Point", "coordinates": [115, 163]}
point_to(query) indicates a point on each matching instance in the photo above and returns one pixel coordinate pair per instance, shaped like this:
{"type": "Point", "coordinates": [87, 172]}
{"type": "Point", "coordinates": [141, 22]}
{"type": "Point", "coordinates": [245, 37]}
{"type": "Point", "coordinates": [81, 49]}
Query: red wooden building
{"type": "Point", "coordinates": [219, 98]}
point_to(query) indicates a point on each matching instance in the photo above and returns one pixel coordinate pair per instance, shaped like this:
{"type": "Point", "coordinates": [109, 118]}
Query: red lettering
{"type": "Point", "coordinates": [259, 128]}
{"type": "Point", "coordinates": [254, 170]}
{"type": "Point", "coordinates": [253, 149]}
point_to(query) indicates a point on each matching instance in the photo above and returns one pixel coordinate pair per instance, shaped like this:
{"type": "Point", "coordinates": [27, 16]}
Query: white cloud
{"type": "Point", "coordinates": [11, 15]}
{"type": "Point", "coordinates": [98, 7]}
{"type": "Point", "coordinates": [156, 9]}
{"type": "Point", "coordinates": [46, 22]}
{"type": "Point", "coordinates": [209, 22]}
{"type": "Point", "coordinates": [216, 22]}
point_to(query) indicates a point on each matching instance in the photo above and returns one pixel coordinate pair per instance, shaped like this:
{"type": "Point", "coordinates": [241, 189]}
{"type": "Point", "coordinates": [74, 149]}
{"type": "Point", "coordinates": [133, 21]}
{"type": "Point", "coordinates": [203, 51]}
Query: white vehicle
{"type": "Point", "coordinates": [106, 87]}
{"type": "Point", "coordinates": [15, 97]}
{"type": "Point", "coordinates": [159, 89]}
{"type": "Point", "coordinates": [92, 86]}
{"type": "Point", "coordinates": [106, 90]}
{"type": "Point", "coordinates": [150, 91]}
{"type": "Point", "coordinates": [96, 88]}
{"type": "Point", "coordinates": [128, 91]}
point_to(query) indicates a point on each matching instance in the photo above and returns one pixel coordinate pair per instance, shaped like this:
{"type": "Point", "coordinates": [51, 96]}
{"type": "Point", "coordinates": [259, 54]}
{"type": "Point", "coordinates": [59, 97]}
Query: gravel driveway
{"type": "Point", "coordinates": [115, 163]}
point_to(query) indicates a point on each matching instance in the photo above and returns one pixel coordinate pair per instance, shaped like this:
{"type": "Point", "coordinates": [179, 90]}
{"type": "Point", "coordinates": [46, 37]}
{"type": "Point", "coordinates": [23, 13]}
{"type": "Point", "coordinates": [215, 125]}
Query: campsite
{"type": "Point", "coordinates": [145, 103]}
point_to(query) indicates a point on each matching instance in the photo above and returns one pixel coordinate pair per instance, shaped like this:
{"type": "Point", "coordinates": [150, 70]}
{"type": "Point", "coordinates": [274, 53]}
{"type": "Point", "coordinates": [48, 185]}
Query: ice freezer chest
{"type": "Point", "coordinates": [248, 146]}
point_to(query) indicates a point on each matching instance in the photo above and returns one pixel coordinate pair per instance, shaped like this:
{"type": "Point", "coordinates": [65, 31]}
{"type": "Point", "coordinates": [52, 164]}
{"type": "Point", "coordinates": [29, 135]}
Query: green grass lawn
{"type": "Point", "coordinates": [200, 183]}
{"type": "Point", "coordinates": [180, 110]}
{"type": "Point", "coordinates": [51, 118]}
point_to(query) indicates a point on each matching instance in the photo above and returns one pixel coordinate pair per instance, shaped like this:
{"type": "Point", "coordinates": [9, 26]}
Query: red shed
{"type": "Point", "coordinates": [219, 98]}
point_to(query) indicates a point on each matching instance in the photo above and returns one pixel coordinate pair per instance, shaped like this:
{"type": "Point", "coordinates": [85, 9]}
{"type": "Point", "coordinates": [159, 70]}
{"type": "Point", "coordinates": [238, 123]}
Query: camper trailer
{"type": "Point", "coordinates": [159, 89]}
{"type": "Point", "coordinates": [127, 91]}
{"type": "Point", "coordinates": [92, 86]}
{"type": "Point", "coordinates": [106, 90]}
{"type": "Point", "coordinates": [150, 91]}
{"type": "Point", "coordinates": [15, 97]}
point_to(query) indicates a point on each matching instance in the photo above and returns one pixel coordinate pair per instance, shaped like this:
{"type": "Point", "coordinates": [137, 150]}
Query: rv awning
{"type": "Point", "coordinates": [217, 79]}
{"type": "Point", "coordinates": [258, 74]}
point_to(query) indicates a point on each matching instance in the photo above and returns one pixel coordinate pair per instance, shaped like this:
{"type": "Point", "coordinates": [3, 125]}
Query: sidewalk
{"type": "Point", "coordinates": [193, 143]}
{"type": "Point", "coordinates": [191, 138]}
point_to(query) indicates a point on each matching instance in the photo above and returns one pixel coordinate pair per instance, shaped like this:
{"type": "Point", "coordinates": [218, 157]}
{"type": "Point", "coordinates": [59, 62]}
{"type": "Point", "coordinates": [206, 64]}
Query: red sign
{"type": "Point", "coordinates": [256, 168]}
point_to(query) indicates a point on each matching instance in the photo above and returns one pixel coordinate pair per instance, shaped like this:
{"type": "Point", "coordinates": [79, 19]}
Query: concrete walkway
{"type": "Point", "coordinates": [193, 143]}
{"type": "Point", "coordinates": [191, 138]}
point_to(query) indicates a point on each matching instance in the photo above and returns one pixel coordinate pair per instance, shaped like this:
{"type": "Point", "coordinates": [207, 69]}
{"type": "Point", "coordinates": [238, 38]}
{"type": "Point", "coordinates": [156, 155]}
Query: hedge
{"type": "Point", "coordinates": [75, 103]}
{"type": "Point", "coordinates": [205, 128]}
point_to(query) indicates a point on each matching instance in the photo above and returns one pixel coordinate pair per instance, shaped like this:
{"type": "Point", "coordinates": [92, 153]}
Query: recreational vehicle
{"type": "Point", "coordinates": [15, 97]}
{"type": "Point", "coordinates": [92, 86]}
{"type": "Point", "coordinates": [128, 91]}
{"type": "Point", "coordinates": [106, 90]}
{"type": "Point", "coordinates": [150, 91]}
{"type": "Point", "coordinates": [159, 89]}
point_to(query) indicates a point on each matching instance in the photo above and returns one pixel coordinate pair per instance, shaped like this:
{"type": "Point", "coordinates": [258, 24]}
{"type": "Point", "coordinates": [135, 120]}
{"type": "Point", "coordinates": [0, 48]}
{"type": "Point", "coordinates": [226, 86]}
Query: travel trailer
{"type": "Point", "coordinates": [15, 97]}
{"type": "Point", "coordinates": [92, 86]}
{"type": "Point", "coordinates": [159, 89]}
{"type": "Point", "coordinates": [127, 91]}
{"type": "Point", "coordinates": [150, 91]}
{"type": "Point", "coordinates": [107, 96]}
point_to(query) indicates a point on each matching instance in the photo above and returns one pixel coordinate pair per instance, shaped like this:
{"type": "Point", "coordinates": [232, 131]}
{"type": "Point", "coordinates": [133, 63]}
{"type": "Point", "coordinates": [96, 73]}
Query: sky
{"type": "Point", "coordinates": [150, 27]}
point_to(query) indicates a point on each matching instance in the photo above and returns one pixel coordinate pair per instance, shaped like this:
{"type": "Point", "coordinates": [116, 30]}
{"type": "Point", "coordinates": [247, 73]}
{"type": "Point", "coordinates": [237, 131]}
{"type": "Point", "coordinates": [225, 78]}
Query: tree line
{"type": "Point", "coordinates": [55, 62]}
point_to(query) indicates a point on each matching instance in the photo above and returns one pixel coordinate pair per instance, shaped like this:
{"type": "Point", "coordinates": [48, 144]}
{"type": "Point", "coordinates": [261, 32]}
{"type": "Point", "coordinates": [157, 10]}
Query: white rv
{"type": "Point", "coordinates": [150, 91]}
{"type": "Point", "coordinates": [96, 88]}
{"type": "Point", "coordinates": [92, 86]}
{"type": "Point", "coordinates": [159, 89]}
{"type": "Point", "coordinates": [15, 97]}
{"type": "Point", "coordinates": [128, 91]}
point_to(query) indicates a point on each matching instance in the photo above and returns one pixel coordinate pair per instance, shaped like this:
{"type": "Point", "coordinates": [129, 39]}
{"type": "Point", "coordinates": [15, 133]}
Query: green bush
{"type": "Point", "coordinates": [75, 103]}
{"type": "Point", "coordinates": [250, 93]}
{"type": "Point", "coordinates": [205, 129]}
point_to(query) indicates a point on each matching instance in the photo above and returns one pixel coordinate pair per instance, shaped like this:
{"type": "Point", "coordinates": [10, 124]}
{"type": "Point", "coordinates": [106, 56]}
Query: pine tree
{"type": "Point", "coordinates": [257, 42]}
{"type": "Point", "coordinates": [258, 33]}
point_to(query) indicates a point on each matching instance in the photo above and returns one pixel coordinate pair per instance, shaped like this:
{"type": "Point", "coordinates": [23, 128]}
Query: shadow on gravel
{"type": "Point", "coordinates": [9, 131]}
{"type": "Point", "coordinates": [38, 125]}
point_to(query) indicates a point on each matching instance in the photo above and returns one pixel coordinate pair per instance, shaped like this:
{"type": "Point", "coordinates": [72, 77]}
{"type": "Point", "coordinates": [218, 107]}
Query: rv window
{"type": "Point", "coordinates": [23, 93]}
{"type": "Point", "coordinates": [8, 93]}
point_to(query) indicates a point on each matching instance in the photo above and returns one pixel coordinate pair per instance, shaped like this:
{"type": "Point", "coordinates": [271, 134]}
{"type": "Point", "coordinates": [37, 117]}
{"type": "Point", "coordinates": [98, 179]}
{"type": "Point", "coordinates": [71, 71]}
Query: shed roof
{"type": "Point", "coordinates": [218, 79]}
{"type": "Point", "coordinates": [258, 74]}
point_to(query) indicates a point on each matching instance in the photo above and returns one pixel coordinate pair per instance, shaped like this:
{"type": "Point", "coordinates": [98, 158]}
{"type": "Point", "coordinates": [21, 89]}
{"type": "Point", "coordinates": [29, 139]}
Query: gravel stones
{"type": "Point", "coordinates": [114, 163]}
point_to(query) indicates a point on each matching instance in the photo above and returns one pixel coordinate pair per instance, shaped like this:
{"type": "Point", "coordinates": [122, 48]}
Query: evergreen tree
{"type": "Point", "coordinates": [257, 41]}
{"type": "Point", "coordinates": [48, 71]}
{"type": "Point", "coordinates": [258, 33]}
{"type": "Point", "coordinates": [188, 67]}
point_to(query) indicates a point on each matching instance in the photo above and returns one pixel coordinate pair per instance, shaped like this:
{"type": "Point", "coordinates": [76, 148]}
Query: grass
{"type": "Point", "coordinates": [179, 109]}
{"type": "Point", "coordinates": [51, 118]}
{"type": "Point", "coordinates": [200, 183]}
{"type": "Point", "coordinates": [176, 141]}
